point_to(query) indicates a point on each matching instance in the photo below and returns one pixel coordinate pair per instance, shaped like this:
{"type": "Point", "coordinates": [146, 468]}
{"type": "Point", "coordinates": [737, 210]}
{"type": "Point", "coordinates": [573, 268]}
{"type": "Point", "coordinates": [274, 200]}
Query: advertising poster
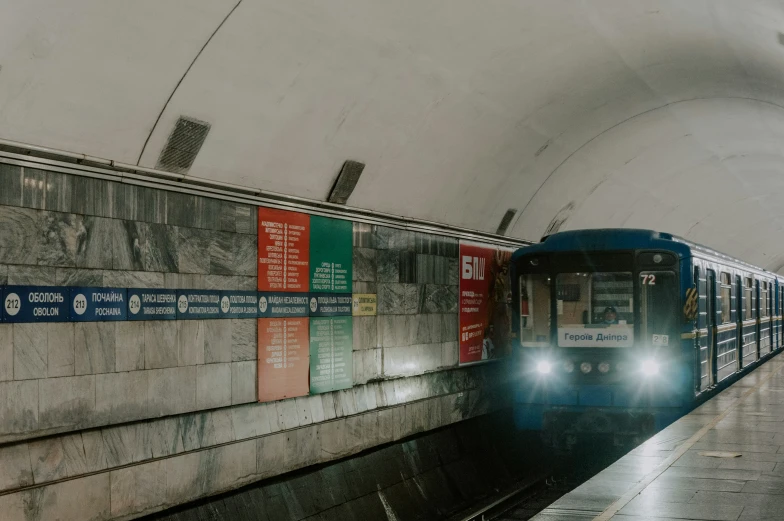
{"type": "Point", "coordinates": [331, 253]}
{"type": "Point", "coordinates": [485, 302]}
{"type": "Point", "coordinates": [284, 243]}
{"type": "Point", "coordinates": [331, 362]}
{"type": "Point", "coordinates": [283, 358]}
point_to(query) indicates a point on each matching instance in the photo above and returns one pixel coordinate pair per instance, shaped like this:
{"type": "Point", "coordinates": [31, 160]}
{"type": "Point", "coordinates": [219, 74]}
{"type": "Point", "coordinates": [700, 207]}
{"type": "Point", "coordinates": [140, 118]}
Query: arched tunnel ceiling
{"type": "Point", "coordinates": [662, 114]}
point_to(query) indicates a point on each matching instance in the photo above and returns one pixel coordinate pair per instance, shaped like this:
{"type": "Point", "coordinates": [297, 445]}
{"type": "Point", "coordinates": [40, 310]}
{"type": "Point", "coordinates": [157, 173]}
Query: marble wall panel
{"type": "Point", "coordinates": [364, 264]}
{"type": "Point", "coordinates": [161, 347]}
{"type": "Point", "coordinates": [138, 490]}
{"type": "Point", "coordinates": [125, 444]}
{"type": "Point", "coordinates": [304, 416]}
{"type": "Point", "coordinates": [270, 454]}
{"type": "Point", "coordinates": [245, 254]}
{"type": "Point", "coordinates": [362, 235]}
{"type": "Point", "coordinates": [58, 192]}
{"type": "Point", "coordinates": [121, 397]}
{"type": "Point", "coordinates": [388, 266]}
{"type": "Point", "coordinates": [171, 390]}
{"type": "Point", "coordinates": [391, 299]}
{"type": "Point", "coordinates": [217, 341]}
{"type": "Point", "coordinates": [20, 241]}
{"type": "Point", "coordinates": [16, 470]}
{"type": "Point", "coordinates": [60, 349]}
{"type": "Point", "coordinates": [30, 351]}
{"type": "Point", "coordinates": [243, 340]}
{"type": "Point", "coordinates": [66, 402]}
{"type": "Point", "coordinates": [33, 188]}
{"type": "Point", "coordinates": [94, 242]}
{"type": "Point", "coordinates": [94, 347]}
{"type": "Point", "coordinates": [439, 299]}
{"type": "Point", "coordinates": [31, 276]}
{"type": "Point", "coordinates": [222, 253]}
{"type": "Point", "coordinates": [185, 210]}
{"type": "Point", "coordinates": [3, 274]}
{"type": "Point", "coordinates": [452, 271]}
{"type": "Point", "coordinates": [86, 499]}
{"type": "Point", "coordinates": [213, 386]}
{"type": "Point", "coordinates": [365, 332]}
{"type": "Point", "coordinates": [408, 267]}
{"type": "Point", "coordinates": [18, 407]}
{"type": "Point", "coordinates": [193, 247]}
{"type": "Point", "coordinates": [6, 352]}
{"type": "Point", "coordinates": [287, 414]}
{"type": "Point", "coordinates": [90, 278]}
{"type": "Point", "coordinates": [132, 279]}
{"type": "Point", "coordinates": [191, 339]}
{"type": "Point", "coordinates": [231, 466]}
{"type": "Point", "coordinates": [11, 181]}
{"type": "Point", "coordinates": [364, 287]}
{"type": "Point", "coordinates": [243, 382]}
{"type": "Point", "coordinates": [144, 246]}
{"type": "Point", "coordinates": [129, 344]}
{"type": "Point", "coordinates": [61, 234]}
{"type": "Point", "coordinates": [151, 205]}
{"type": "Point", "coordinates": [47, 457]}
{"type": "Point", "coordinates": [450, 354]}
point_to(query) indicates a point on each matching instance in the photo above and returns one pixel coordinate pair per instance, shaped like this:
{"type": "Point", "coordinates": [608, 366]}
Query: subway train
{"type": "Point", "coordinates": [619, 332]}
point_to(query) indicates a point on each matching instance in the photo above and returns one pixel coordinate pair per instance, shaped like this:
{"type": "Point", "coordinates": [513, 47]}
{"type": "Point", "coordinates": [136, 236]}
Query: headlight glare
{"type": "Point", "coordinates": [650, 367]}
{"type": "Point", "coordinates": [543, 367]}
{"type": "Point", "coordinates": [604, 367]}
{"type": "Point", "coordinates": [586, 367]}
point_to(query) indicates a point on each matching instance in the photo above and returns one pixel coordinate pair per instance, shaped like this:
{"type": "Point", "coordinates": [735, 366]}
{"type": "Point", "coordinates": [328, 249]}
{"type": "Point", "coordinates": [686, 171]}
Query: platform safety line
{"type": "Point", "coordinates": [624, 500]}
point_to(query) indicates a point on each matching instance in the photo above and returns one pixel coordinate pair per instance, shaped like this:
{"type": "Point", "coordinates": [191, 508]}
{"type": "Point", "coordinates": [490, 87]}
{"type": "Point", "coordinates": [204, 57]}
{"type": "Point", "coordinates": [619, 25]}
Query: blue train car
{"type": "Point", "coordinates": [619, 332]}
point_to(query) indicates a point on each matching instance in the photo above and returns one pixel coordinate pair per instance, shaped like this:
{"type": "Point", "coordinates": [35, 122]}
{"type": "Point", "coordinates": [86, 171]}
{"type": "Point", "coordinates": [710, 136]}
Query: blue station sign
{"type": "Point", "coordinates": [152, 304]}
{"type": "Point", "coordinates": [98, 304]}
{"type": "Point", "coordinates": [35, 304]}
{"type": "Point", "coordinates": [239, 304]}
{"type": "Point", "coordinates": [330, 304]}
{"type": "Point", "coordinates": [198, 304]}
{"type": "Point", "coordinates": [281, 305]}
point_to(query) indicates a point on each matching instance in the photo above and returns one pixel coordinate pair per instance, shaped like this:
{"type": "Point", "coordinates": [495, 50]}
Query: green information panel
{"type": "Point", "coordinates": [331, 242]}
{"type": "Point", "coordinates": [331, 363]}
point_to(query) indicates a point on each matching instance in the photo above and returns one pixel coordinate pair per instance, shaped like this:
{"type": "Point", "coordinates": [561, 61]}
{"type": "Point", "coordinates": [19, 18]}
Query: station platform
{"type": "Point", "coordinates": [723, 461]}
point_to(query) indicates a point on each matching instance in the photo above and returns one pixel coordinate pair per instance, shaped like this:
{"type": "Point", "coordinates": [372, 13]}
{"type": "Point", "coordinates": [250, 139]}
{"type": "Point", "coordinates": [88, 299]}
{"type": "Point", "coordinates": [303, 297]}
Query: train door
{"type": "Point", "coordinates": [739, 318]}
{"type": "Point", "coordinates": [711, 316]}
{"type": "Point", "coordinates": [758, 315]}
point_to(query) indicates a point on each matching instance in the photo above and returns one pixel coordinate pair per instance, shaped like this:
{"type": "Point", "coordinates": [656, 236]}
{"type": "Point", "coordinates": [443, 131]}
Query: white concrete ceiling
{"type": "Point", "coordinates": [662, 114]}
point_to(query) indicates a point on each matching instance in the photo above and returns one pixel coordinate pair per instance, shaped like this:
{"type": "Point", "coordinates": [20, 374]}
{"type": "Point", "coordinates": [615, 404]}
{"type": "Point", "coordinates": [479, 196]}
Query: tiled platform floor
{"type": "Point", "coordinates": [669, 477]}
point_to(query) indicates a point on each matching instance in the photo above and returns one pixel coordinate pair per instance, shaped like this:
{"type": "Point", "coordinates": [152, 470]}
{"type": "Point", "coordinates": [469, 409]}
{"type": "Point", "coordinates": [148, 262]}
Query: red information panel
{"type": "Point", "coordinates": [284, 251]}
{"type": "Point", "coordinates": [284, 358]}
{"type": "Point", "coordinates": [485, 303]}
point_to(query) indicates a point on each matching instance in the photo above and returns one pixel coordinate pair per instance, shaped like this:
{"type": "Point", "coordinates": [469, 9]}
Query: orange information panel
{"type": "Point", "coordinates": [284, 358]}
{"type": "Point", "coordinates": [284, 251]}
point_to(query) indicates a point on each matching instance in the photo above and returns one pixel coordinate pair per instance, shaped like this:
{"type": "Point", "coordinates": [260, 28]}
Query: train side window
{"type": "Point", "coordinates": [534, 309]}
{"type": "Point", "coordinates": [701, 299]}
{"type": "Point", "coordinates": [748, 300]}
{"type": "Point", "coordinates": [726, 298]}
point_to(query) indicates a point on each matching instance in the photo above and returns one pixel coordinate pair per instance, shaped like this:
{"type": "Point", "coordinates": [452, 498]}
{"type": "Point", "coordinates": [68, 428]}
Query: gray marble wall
{"type": "Point", "coordinates": [416, 279]}
{"type": "Point", "coordinates": [174, 402]}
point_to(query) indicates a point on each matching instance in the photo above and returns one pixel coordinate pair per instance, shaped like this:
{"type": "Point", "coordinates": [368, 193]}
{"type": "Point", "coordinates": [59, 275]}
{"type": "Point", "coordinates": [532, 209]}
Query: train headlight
{"type": "Point", "coordinates": [604, 367]}
{"type": "Point", "coordinates": [586, 367]}
{"type": "Point", "coordinates": [544, 367]}
{"type": "Point", "coordinates": [650, 367]}
{"type": "Point", "coordinates": [568, 366]}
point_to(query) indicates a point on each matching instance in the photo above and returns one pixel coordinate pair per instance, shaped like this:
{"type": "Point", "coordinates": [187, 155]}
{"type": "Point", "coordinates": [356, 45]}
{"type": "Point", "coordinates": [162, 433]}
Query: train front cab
{"type": "Point", "coordinates": [602, 343]}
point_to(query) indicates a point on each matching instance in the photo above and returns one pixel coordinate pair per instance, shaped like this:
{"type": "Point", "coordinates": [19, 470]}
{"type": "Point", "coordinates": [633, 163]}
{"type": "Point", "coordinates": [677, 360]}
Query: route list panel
{"type": "Point", "coordinates": [283, 358]}
{"type": "Point", "coordinates": [331, 363]}
{"type": "Point", "coordinates": [284, 251]}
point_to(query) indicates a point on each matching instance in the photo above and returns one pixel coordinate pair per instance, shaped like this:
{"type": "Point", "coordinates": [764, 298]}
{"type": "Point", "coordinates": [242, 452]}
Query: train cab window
{"type": "Point", "coordinates": [748, 300]}
{"type": "Point", "coordinates": [658, 290]}
{"type": "Point", "coordinates": [726, 299]}
{"type": "Point", "coordinates": [595, 309]}
{"type": "Point", "coordinates": [534, 309]}
{"type": "Point", "coordinates": [764, 299]}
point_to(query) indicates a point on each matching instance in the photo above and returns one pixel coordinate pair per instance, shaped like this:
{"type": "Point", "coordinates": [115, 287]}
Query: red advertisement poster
{"type": "Point", "coordinates": [284, 251]}
{"type": "Point", "coordinates": [284, 358]}
{"type": "Point", "coordinates": [485, 302]}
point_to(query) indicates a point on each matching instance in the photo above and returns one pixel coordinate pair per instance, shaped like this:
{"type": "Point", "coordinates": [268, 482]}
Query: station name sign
{"type": "Point", "coordinates": [25, 304]}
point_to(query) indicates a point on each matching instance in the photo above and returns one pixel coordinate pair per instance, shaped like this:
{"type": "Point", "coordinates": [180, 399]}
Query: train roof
{"type": "Point", "coordinates": [627, 239]}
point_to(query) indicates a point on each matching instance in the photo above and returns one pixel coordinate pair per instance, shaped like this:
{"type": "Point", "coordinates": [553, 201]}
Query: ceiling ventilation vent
{"type": "Point", "coordinates": [508, 216]}
{"type": "Point", "coordinates": [183, 144]}
{"type": "Point", "coordinates": [346, 182]}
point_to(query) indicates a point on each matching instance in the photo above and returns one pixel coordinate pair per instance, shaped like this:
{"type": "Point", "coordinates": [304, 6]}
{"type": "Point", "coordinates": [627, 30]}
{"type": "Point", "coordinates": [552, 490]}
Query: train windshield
{"type": "Point", "coordinates": [535, 310]}
{"type": "Point", "coordinates": [595, 309]}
